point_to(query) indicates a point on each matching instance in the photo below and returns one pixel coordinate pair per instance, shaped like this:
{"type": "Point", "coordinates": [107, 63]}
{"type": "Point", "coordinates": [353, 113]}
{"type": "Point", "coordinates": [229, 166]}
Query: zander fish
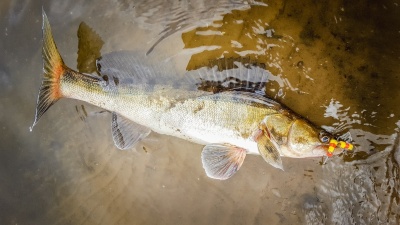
{"type": "Point", "coordinates": [230, 124]}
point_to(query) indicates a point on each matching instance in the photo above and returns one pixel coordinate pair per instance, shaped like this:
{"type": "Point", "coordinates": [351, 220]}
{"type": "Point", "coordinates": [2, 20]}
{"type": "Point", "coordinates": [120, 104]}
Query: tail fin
{"type": "Point", "coordinates": [53, 69]}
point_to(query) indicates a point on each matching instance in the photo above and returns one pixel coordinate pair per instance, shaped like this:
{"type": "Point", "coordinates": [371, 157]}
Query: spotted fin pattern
{"type": "Point", "coordinates": [269, 152]}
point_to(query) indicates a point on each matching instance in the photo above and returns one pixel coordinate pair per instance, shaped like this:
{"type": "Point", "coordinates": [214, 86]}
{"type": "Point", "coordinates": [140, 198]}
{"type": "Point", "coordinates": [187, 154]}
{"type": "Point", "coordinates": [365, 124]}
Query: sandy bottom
{"type": "Point", "coordinates": [342, 57]}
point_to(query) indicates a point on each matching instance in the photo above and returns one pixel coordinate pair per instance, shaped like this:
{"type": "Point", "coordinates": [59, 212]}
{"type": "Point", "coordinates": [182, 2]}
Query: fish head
{"type": "Point", "coordinates": [305, 140]}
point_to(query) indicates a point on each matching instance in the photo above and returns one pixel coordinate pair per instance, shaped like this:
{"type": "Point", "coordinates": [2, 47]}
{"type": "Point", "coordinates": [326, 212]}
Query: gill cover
{"type": "Point", "coordinates": [303, 137]}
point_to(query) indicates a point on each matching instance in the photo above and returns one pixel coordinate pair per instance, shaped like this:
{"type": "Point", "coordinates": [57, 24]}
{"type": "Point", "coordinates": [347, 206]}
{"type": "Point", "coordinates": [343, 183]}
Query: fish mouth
{"type": "Point", "coordinates": [322, 150]}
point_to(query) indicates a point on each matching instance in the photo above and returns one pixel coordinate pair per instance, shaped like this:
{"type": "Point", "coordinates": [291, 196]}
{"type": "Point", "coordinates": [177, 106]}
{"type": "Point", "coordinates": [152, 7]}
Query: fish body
{"type": "Point", "coordinates": [231, 124]}
{"type": "Point", "coordinates": [191, 115]}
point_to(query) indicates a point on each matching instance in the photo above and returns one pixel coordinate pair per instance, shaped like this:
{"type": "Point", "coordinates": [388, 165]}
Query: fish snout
{"type": "Point", "coordinates": [322, 150]}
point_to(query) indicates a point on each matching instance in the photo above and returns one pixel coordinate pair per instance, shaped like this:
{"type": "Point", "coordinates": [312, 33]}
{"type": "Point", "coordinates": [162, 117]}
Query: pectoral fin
{"type": "Point", "coordinates": [221, 161]}
{"type": "Point", "coordinates": [269, 152]}
{"type": "Point", "coordinates": [127, 133]}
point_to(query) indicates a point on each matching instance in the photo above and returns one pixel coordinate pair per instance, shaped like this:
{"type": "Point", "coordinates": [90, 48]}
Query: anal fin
{"type": "Point", "coordinates": [127, 133]}
{"type": "Point", "coordinates": [221, 161]}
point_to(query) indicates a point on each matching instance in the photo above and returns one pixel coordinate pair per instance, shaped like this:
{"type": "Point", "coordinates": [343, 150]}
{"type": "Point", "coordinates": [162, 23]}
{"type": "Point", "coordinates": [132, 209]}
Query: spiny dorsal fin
{"type": "Point", "coordinates": [228, 74]}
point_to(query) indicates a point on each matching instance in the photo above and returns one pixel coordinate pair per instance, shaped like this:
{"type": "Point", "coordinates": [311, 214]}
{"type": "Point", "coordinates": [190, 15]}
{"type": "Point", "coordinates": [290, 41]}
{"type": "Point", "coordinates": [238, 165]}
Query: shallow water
{"type": "Point", "coordinates": [333, 63]}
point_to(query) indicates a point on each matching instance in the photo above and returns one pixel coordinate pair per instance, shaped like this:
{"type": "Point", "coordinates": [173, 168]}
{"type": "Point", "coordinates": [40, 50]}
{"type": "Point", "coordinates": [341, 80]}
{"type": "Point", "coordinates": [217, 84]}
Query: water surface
{"type": "Point", "coordinates": [333, 63]}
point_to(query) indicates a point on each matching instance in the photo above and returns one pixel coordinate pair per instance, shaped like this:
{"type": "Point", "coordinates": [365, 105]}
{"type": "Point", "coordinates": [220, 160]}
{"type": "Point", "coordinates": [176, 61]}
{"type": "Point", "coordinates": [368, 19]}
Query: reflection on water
{"type": "Point", "coordinates": [173, 16]}
{"type": "Point", "coordinates": [334, 63]}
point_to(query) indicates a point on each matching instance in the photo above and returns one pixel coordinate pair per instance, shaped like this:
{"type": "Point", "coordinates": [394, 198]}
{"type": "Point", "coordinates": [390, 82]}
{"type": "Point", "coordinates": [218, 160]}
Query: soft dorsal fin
{"type": "Point", "coordinates": [134, 67]}
{"type": "Point", "coordinates": [130, 67]}
{"type": "Point", "coordinates": [127, 133]}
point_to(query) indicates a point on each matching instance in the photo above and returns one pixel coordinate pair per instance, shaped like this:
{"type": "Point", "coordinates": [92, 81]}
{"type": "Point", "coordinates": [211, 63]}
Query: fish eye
{"type": "Point", "coordinates": [324, 137]}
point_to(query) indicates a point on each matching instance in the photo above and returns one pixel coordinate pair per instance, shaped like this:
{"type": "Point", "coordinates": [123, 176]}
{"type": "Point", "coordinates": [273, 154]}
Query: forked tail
{"type": "Point", "coordinates": [53, 69]}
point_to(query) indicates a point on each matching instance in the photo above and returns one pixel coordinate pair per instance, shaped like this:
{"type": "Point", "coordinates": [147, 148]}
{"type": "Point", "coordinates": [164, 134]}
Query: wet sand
{"type": "Point", "coordinates": [67, 171]}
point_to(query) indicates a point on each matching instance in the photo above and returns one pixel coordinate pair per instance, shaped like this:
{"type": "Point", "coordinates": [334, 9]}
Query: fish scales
{"type": "Point", "coordinates": [191, 115]}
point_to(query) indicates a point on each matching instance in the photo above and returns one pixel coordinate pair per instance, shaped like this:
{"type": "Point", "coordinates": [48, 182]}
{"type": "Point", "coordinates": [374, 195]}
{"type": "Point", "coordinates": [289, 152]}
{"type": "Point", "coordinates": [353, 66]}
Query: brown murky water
{"type": "Point", "coordinates": [336, 63]}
